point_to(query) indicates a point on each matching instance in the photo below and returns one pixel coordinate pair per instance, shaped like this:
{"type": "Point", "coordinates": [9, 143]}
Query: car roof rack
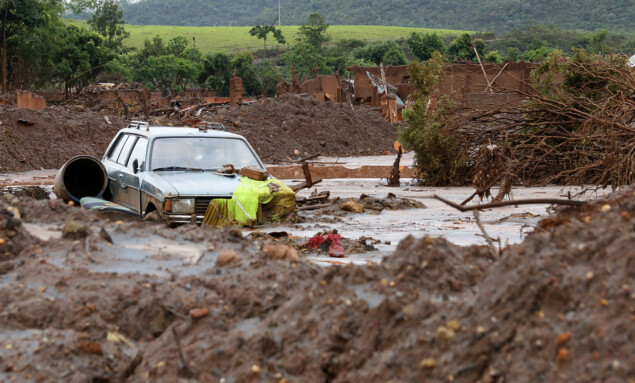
{"type": "Point", "coordinates": [206, 125]}
{"type": "Point", "coordinates": [138, 125]}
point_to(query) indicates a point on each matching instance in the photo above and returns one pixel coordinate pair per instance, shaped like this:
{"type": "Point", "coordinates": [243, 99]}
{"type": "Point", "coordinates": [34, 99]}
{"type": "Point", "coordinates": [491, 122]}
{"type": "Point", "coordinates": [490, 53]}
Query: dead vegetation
{"type": "Point", "coordinates": [576, 127]}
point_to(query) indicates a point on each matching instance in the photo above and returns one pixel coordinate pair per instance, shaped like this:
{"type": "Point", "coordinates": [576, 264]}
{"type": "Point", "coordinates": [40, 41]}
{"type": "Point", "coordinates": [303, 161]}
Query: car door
{"type": "Point", "coordinates": [132, 178]}
{"type": "Point", "coordinates": [120, 175]}
{"type": "Point", "coordinates": [113, 168]}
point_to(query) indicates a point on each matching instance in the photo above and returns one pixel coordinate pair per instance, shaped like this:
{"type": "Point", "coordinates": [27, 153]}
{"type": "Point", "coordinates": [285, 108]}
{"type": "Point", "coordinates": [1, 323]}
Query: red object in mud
{"type": "Point", "coordinates": [332, 240]}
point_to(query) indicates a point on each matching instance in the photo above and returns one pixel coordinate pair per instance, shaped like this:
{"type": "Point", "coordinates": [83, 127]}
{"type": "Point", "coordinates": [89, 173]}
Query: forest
{"type": "Point", "coordinates": [42, 50]}
{"type": "Point", "coordinates": [478, 15]}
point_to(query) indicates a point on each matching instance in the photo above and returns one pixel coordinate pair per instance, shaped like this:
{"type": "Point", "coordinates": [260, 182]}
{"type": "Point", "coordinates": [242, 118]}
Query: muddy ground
{"type": "Point", "coordinates": [293, 126]}
{"type": "Point", "coordinates": [559, 307]}
{"type": "Point", "coordinates": [279, 130]}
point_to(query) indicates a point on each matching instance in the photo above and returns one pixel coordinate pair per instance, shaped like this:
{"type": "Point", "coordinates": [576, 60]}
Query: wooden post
{"type": "Point", "coordinates": [489, 85]}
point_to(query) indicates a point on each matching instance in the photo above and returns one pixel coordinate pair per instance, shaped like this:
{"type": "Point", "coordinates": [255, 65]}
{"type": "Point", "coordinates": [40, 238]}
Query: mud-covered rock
{"type": "Point", "coordinates": [75, 230]}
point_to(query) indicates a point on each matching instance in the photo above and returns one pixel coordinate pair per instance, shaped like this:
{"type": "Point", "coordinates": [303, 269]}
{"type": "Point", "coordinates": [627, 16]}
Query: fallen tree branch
{"type": "Point", "coordinates": [490, 243]}
{"type": "Point", "coordinates": [315, 207]}
{"type": "Point", "coordinates": [531, 201]}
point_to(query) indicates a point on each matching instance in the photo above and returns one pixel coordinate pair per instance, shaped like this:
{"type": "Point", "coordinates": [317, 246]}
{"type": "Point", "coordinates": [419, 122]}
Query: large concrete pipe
{"type": "Point", "coordinates": [81, 176]}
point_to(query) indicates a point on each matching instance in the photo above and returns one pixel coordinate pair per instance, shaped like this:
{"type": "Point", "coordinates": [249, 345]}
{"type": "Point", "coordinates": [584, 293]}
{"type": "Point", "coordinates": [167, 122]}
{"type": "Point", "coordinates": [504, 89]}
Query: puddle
{"type": "Point", "coordinates": [43, 231]}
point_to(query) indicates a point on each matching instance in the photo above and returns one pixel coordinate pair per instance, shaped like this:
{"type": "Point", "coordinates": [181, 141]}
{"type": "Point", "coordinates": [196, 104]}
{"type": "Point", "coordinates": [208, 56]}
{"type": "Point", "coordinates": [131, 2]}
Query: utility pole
{"type": "Point", "coordinates": [279, 19]}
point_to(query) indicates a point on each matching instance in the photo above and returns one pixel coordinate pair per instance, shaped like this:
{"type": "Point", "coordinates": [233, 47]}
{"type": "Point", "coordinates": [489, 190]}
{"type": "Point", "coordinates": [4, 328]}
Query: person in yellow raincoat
{"type": "Point", "coordinates": [253, 202]}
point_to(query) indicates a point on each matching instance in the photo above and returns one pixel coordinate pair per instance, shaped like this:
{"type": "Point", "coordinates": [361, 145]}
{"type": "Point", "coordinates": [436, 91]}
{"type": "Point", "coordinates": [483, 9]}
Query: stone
{"type": "Point", "coordinates": [75, 230]}
{"type": "Point", "coordinates": [352, 206]}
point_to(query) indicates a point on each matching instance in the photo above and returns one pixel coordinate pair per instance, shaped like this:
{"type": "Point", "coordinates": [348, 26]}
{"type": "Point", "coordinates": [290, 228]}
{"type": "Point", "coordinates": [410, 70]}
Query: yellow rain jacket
{"type": "Point", "coordinates": [253, 202]}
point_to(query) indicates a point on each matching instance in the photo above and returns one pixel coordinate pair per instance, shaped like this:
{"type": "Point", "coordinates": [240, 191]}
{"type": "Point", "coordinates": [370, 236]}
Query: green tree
{"type": "Point", "coordinates": [307, 60]}
{"type": "Point", "coordinates": [30, 31]}
{"type": "Point", "coordinates": [266, 79]}
{"type": "Point", "coordinates": [376, 52]}
{"type": "Point", "coordinates": [463, 48]}
{"type": "Point", "coordinates": [597, 41]}
{"type": "Point", "coordinates": [108, 22]}
{"type": "Point", "coordinates": [81, 58]}
{"type": "Point", "coordinates": [493, 57]}
{"type": "Point", "coordinates": [437, 154]}
{"type": "Point", "coordinates": [539, 54]}
{"type": "Point", "coordinates": [155, 47]}
{"type": "Point", "coordinates": [176, 46]}
{"type": "Point", "coordinates": [215, 73]}
{"type": "Point", "coordinates": [394, 56]}
{"type": "Point", "coordinates": [262, 31]}
{"type": "Point", "coordinates": [422, 45]}
{"type": "Point", "coordinates": [314, 31]}
{"type": "Point", "coordinates": [167, 73]}
{"type": "Point", "coordinates": [513, 54]}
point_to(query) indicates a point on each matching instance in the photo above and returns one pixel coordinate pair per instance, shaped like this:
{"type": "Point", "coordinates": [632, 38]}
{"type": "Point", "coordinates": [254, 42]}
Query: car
{"type": "Point", "coordinates": [171, 173]}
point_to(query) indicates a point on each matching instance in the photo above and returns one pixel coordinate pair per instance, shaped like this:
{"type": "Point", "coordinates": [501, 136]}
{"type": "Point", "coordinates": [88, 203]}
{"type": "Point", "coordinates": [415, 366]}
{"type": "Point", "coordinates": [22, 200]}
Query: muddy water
{"type": "Point", "coordinates": [507, 225]}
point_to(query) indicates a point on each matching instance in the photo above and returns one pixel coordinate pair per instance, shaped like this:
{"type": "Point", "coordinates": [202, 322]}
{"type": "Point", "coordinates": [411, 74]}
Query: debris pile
{"type": "Point", "coordinates": [576, 127]}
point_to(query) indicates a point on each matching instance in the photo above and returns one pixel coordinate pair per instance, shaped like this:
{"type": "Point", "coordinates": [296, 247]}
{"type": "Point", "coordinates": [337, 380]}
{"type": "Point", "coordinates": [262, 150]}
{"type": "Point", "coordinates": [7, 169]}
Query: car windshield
{"type": "Point", "coordinates": [200, 153]}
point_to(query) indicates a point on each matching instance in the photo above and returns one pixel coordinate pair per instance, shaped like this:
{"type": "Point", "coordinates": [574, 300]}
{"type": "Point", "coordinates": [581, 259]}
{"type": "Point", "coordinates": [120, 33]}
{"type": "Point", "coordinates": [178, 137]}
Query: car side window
{"type": "Point", "coordinates": [127, 148]}
{"type": "Point", "coordinates": [116, 149]}
{"type": "Point", "coordinates": [139, 152]}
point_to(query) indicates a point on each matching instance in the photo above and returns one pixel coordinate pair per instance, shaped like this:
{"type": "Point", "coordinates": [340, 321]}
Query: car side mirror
{"type": "Point", "coordinates": [135, 166]}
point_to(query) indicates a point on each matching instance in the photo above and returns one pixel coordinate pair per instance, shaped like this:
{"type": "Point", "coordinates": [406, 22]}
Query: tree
{"type": "Point", "coordinates": [167, 73]}
{"type": "Point", "coordinates": [307, 60]}
{"type": "Point", "coordinates": [376, 53]}
{"type": "Point", "coordinates": [81, 58]}
{"type": "Point", "coordinates": [29, 30]}
{"type": "Point", "coordinates": [176, 46]}
{"type": "Point", "coordinates": [493, 57]}
{"type": "Point", "coordinates": [108, 22]}
{"type": "Point", "coordinates": [438, 157]}
{"type": "Point", "coordinates": [262, 31]}
{"type": "Point", "coordinates": [422, 45]}
{"type": "Point", "coordinates": [155, 47]}
{"type": "Point", "coordinates": [314, 33]}
{"type": "Point", "coordinates": [463, 48]}
{"type": "Point", "coordinates": [215, 73]}
{"type": "Point", "coordinates": [597, 41]}
{"type": "Point", "coordinates": [394, 56]}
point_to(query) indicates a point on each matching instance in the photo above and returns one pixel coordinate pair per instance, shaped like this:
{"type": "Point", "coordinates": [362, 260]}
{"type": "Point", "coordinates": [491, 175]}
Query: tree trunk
{"type": "Point", "coordinates": [4, 47]}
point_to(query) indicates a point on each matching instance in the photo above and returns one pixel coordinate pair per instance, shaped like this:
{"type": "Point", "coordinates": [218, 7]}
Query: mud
{"type": "Point", "coordinates": [557, 307]}
{"type": "Point", "coordinates": [282, 129]}
{"type": "Point", "coordinates": [32, 139]}
{"type": "Point", "coordinates": [294, 126]}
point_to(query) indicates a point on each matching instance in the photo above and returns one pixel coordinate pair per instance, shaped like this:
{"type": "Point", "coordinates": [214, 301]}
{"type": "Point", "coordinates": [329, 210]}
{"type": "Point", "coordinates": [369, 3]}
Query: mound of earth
{"type": "Point", "coordinates": [33, 139]}
{"type": "Point", "coordinates": [558, 307]}
{"type": "Point", "coordinates": [290, 127]}
{"type": "Point", "coordinates": [294, 126]}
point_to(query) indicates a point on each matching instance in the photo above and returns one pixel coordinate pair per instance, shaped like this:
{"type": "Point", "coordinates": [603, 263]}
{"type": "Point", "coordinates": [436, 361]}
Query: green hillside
{"type": "Point", "coordinates": [227, 39]}
{"type": "Point", "coordinates": [480, 15]}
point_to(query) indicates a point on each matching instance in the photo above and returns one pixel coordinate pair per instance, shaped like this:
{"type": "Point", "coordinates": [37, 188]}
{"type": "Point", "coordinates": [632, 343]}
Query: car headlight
{"type": "Point", "coordinates": [183, 206]}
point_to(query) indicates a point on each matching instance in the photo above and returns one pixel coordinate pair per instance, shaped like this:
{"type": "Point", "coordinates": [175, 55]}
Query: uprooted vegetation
{"type": "Point", "coordinates": [558, 307]}
{"type": "Point", "coordinates": [576, 128]}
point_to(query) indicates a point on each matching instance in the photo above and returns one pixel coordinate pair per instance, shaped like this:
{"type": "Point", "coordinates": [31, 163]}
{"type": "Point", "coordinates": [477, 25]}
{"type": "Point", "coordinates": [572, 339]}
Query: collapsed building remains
{"type": "Point", "coordinates": [389, 87]}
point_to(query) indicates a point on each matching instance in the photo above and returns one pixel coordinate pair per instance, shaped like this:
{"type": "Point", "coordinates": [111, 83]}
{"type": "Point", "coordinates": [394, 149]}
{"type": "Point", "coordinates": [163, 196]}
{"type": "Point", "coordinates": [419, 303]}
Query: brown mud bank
{"type": "Point", "coordinates": [115, 301]}
{"type": "Point", "coordinates": [279, 130]}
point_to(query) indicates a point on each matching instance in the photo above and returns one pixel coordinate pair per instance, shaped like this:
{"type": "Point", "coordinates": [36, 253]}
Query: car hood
{"type": "Point", "coordinates": [188, 183]}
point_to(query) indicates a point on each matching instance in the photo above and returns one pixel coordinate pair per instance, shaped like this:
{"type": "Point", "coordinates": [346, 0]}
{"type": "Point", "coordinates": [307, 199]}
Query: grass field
{"type": "Point", "coordinates": [228, 39]}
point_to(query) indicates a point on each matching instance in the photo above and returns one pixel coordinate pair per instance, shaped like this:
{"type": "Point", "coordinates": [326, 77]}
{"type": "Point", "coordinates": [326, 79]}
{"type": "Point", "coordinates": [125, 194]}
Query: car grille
{"type": "Point", "coordinates": [201, 205]}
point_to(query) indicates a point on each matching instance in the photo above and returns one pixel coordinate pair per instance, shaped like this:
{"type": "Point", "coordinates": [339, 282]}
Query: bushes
{"type": "Point", "coordinates": [438, 157]}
